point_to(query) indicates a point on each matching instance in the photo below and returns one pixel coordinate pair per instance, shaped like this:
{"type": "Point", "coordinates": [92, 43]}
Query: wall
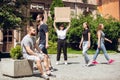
{"type": "Point", "coordinates": [110, 8]}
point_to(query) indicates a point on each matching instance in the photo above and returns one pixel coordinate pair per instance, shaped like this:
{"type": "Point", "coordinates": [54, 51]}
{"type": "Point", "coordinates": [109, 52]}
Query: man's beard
{"type": "Point", "coordinates": [38, 21]}
{"type": "Point", "coordinates": [33, 34]}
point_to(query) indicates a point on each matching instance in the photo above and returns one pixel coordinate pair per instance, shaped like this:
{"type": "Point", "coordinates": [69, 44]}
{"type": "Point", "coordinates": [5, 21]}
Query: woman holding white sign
{"type": "Point", "coordinates": [61, 44]}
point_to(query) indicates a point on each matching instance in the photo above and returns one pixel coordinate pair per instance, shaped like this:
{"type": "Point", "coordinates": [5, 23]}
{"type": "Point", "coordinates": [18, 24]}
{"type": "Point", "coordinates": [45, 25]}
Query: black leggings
{"type": "Point", "coordinates": [61, 45]}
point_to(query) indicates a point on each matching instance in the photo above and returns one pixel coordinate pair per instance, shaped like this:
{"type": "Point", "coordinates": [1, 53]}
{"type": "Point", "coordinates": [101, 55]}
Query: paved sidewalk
{"type": "Point", "coordinates": [76, 70]}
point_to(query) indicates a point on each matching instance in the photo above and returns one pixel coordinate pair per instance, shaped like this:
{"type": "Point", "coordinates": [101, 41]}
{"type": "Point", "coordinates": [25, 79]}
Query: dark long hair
{"type": "Point", "coordinates": [40, 16]}
{"type": "Point", "coordinates": [86, 24]}
{"type": "Point", "coordinates": [62, 25]}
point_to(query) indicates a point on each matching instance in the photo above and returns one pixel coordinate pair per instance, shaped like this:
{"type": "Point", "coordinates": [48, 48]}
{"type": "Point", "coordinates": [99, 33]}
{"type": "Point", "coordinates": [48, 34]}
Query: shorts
{"type": "Point", "coordinates": [32, 57]}
{"type": "Point", "coordinates": [43, 48]}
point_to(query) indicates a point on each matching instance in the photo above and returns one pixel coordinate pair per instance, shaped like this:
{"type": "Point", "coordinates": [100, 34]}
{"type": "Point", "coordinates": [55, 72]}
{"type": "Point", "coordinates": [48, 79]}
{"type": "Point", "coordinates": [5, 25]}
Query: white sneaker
{"type": "Point", "coordinates": [57, 63]}
{"type": "Point", "coordinates": [44, 76]}
{"type": "Point", "coordinates": [90, 64]}
{"type": "Point", "coordinates": [66, 63]}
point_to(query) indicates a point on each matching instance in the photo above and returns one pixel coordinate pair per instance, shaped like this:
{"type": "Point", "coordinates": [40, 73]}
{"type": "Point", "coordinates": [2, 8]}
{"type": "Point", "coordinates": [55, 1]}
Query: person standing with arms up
{"type": "Point", "coordinates": [61, 43]}
{"type": "Point", "coordinates": [101, 45]}
{"type": "Point", "coordinates": [85, 41]}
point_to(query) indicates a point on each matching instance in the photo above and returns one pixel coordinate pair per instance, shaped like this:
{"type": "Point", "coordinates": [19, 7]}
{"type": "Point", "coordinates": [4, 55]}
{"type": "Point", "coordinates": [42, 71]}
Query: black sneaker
{"type": "Point", "coordinates": [53, 69]}
{"type": "Point", "coordinates": [52, 75]}
{"type": "Point", "coordinates": [35, 68]}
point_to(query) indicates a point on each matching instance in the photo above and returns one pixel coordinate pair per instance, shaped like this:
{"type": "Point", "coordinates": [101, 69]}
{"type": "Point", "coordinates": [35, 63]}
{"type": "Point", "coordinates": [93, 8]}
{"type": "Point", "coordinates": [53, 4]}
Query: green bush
{"type": "Point", "coordinates": [52, 33]}
{"type": "Point", "coordinates": [16, 53]}
{"type": "Point", "coordinates": [52, 47]}
{"type": "Point", "coordinates": [112, 31]}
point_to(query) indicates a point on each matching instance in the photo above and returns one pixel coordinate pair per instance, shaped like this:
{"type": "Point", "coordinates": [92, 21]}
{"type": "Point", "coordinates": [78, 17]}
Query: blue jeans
{"type": "Point", "coordinates": [102, 47]}
{"type": "Point", "coordinates": [43, 48]}
{"type": "Point", "coordinates": [85, 49]}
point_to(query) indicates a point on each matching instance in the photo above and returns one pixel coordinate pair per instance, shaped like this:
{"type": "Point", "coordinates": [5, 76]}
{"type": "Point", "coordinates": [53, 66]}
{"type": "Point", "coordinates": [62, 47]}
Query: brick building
{"type": "Point", "coordinates": [77, 7]}
{"type": "Point", "coordinates": [109, 7]}
{"type": "Point", "coordinates": [12, 37]}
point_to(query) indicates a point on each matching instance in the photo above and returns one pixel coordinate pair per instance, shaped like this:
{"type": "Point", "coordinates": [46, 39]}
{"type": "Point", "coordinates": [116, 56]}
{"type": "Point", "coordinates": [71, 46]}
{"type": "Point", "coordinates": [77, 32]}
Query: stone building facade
{"type": "Point", "coordinates": [12, 37]}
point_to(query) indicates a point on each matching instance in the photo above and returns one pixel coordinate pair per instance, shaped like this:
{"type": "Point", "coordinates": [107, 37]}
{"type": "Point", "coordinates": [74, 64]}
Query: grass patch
{"type": "Point", "coordinates": [72, 51]}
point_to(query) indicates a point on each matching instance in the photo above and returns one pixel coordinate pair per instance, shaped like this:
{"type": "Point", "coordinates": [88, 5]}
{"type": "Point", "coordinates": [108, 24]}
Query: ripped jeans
{"type": "Point", "coordinates": [84, 52]}
{"type": "Point", "coordinates": [102, 47]}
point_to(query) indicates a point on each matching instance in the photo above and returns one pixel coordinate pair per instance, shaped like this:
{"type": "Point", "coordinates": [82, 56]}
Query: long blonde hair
{"type": "Point", "coordinates": [99, 27]}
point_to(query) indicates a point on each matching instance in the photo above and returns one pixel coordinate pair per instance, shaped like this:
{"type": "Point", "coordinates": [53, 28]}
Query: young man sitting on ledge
{"type": "Point", "coordinates": [28, 45]}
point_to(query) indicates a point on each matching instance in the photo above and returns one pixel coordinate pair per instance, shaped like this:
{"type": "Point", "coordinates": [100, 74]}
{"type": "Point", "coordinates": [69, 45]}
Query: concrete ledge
{"type": "Point", "coordinates": [16, 68]}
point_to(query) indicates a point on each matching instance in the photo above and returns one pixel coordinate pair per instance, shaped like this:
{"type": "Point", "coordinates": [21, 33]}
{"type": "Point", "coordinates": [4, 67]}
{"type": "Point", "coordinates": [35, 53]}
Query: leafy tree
{"type": "Point", "coordinates": [85, 1]}
{"type": "Point", "coordinates": [10, 15]}
{"type": "Point", "coordinates": [52, 33]}
{"type": "Point", "coordinates": [55, 3]}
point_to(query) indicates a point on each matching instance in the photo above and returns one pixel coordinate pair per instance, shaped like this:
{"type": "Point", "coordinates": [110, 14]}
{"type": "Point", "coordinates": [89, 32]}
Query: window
{"type": "Point", "coordinates": [7, 36]}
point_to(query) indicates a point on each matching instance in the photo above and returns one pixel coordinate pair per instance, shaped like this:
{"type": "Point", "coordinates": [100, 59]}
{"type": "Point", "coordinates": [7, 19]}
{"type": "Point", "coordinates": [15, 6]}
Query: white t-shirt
{"type": "Point", "coordinates": [61, 34]}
